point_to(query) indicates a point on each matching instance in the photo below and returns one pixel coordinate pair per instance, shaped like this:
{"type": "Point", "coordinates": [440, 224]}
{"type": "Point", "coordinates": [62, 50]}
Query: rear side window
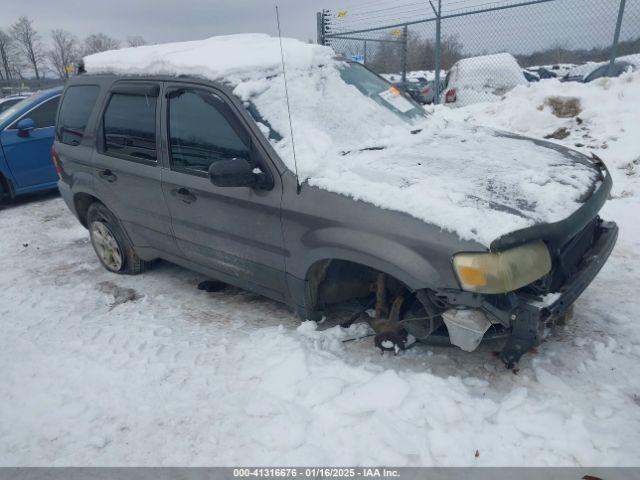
{"type": "Point", "coordinates": [130, 127]}
{"type": "Point", "coordinates": [44, 115]}
{"type": "Point", "coordinates": [76, 108]}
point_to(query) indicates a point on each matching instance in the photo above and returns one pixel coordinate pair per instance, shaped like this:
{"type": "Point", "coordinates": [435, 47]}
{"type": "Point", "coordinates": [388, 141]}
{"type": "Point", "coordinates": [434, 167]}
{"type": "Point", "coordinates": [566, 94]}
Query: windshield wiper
{"type": "Point", "coordinates": [347, 152]}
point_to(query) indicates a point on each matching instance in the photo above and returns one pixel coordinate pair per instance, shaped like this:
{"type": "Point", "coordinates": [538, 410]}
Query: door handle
{"type": "Point", "coordinates": [108, 175]}
{"type": "Point", "coordinates": [184, 195]}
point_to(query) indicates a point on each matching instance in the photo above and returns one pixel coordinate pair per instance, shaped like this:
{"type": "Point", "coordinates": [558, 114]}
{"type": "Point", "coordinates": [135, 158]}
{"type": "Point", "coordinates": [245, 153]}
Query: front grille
{"type": "Point", "coordinates": [567, 261]}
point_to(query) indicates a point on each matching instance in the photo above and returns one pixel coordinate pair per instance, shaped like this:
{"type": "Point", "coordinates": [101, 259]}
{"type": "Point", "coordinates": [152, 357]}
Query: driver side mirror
{"type": "Point", "coordinates": [238, 172]}
{"type": "Point", "coordinates": [25, 126]}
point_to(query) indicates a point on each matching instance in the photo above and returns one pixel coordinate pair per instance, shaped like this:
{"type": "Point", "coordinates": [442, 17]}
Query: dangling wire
{"type": "Point", "coordinates": [286, 92]}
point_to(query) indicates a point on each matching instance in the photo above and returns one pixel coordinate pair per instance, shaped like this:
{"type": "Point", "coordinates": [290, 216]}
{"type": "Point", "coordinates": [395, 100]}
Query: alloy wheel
{"type": "Point", "coordinates": [106, 246]}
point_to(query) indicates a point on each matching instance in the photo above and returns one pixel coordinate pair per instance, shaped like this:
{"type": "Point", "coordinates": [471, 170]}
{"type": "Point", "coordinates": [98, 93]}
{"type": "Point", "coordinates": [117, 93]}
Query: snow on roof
{"type": "Point", "coordinates": [633, 59]}
{"type": "Point", "coordinates": [215, 58]}
{"type": "Point", "coordinates": [585, 69]}
{"type": "Point", "coordinates": [487, 71]}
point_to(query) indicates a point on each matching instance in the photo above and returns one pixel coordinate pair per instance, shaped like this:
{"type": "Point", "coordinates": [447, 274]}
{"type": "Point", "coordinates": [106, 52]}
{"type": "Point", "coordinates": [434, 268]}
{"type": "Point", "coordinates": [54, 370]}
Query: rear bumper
{"type": "Point", "coordinates": [529, 316]}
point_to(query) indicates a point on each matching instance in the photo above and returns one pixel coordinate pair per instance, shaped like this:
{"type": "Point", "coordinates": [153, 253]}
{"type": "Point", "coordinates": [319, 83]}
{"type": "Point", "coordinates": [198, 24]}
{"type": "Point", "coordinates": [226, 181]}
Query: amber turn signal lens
{"type": "Point", "coordinates": [472, 276]}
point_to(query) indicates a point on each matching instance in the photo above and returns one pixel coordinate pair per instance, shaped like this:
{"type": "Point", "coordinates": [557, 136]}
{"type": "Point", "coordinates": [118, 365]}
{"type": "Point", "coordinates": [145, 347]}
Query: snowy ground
{"type": "Point", "coordinates": [100, 369]}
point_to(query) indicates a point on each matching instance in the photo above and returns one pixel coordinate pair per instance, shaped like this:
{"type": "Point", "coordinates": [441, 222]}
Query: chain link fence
{"type": "Point", "coordinates": [483, 49]}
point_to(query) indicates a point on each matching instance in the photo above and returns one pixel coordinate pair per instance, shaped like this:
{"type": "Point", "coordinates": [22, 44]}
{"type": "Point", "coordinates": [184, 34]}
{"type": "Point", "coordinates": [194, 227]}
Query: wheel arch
{"type": "Point", "coordinates": [81, 202]}
{"type": "Point", "coordinates": [339, 275]}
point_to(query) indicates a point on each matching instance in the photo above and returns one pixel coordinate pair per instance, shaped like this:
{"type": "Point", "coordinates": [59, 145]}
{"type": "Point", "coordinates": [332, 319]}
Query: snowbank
{"type": "Point", "coordinates": [608, 125]}
{"type": "Point", "coordinates": [470, 181]}
{"type": "Point", "coordinates": [180, 377]}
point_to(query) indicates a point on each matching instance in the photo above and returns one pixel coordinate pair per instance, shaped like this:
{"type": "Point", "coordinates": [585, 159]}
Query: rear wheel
{"type": "Point", "coordinates": [111, 244]}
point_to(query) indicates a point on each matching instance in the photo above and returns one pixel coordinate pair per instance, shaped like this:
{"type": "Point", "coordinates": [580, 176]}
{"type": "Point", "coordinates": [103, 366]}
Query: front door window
{"type": "Point", "coordinates": [200, 132]}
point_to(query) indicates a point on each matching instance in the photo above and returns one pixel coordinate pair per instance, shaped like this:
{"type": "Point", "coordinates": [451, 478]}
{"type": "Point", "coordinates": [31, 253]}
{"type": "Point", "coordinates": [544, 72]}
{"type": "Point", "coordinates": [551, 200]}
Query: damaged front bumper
{"type": "Point", "coordinates": [524, 314]}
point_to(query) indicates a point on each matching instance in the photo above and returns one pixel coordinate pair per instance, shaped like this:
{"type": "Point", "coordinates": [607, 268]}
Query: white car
{"type": "Point", "coordinates": [481, 79]}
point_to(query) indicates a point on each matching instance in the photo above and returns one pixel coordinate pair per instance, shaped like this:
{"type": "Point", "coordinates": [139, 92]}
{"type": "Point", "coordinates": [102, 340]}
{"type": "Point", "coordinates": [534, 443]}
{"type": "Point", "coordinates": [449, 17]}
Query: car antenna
{"type": "Point", "coordinates": [286, 92]}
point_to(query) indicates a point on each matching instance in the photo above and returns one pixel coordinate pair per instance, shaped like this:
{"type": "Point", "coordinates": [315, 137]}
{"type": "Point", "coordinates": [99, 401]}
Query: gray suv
{"type": "Point", "coordinates": [180, 168]}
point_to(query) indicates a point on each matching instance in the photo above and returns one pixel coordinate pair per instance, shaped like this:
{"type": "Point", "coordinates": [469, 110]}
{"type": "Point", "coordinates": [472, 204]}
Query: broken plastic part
{"type": "Point", "coordinates": [466, 327]}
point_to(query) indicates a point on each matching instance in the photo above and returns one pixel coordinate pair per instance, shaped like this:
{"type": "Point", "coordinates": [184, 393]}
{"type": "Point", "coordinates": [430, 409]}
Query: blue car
{"type": "Point", "coordinates": [26, 137]}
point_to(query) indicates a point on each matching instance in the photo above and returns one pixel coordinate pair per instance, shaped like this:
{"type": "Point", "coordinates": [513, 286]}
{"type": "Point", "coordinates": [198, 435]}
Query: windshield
{"type": "Point", "coordinates": [9, 112]}
{"type": "Point", "coordinates": [335, 107]}
{"type": "Point", "coordinates": [381, 91]}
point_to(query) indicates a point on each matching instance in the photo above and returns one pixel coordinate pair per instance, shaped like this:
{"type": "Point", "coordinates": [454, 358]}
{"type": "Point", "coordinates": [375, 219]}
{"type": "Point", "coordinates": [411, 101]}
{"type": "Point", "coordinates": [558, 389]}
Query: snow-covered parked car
{"type": "Point", "coordinates": [591, 71]}
{"type": "Point", "coordinates": [186, 152]}
{"type": "Point", "coordinates": [481, 79]}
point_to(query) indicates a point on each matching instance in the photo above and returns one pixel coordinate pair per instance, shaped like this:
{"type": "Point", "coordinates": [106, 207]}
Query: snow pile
{"type": "Point", "coordinates": [471, 181]}
{"type": "Point", "coordinates": [225, 57]}
{"type": "Point", "coordinates": [175, 376]}
{"type": "Point", "coordinates": [608, 125]}
{"type": "Point", "coordinates": [560, 69]}
{"type": "Point", "coordinates": [484, 78]}
{"type": "Point", "coordinates": [585, 69]}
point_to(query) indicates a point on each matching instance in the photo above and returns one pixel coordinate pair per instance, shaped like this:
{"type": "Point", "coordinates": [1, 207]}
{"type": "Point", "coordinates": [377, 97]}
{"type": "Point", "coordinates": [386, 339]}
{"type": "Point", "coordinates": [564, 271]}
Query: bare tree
{"type": "Point", "coordinates": [64, 52]}
{"type": "Point", "coordinates": [451, 51]}
{"type": "Point", "coordinates": [29, 44]}
{"type": "Point", "coordinates": [136, 41]}
{"type": "Point", "coordinates": [99, 42]}
{"type": "Point", "coordinates": [6, 52]}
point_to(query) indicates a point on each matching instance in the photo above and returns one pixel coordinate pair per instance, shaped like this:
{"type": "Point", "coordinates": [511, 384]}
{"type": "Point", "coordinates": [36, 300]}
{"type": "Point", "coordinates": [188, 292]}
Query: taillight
{"type": "Point", "coordinates": [450, 97]}
{"type": "Point", "coordinates": [425, 90]}
{"type": "Point", "coordinates": [56, 160]}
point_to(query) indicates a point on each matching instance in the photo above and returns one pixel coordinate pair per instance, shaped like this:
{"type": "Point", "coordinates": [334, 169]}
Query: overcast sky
{"type": "Point", "coordinates": [575, 23]}
{"type": "Point", "coordinates": [167, 20]}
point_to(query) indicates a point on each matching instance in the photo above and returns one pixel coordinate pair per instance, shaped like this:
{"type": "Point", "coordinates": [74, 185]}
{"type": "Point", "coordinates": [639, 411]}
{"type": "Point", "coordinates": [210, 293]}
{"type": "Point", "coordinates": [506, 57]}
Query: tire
{"type": "Point", "coordinates": [111, 244]}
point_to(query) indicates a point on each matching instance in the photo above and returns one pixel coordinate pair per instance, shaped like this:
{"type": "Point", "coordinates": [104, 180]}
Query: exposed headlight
{"type": "Point", "coordinates": [503, 271]}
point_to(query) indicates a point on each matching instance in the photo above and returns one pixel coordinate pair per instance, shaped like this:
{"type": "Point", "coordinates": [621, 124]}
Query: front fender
{"type": "Point", "coordinates": [374, 251]}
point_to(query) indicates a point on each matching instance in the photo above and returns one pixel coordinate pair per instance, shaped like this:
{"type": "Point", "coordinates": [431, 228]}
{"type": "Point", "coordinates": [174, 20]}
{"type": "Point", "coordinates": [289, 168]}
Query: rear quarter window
{"type": "Point", "coordinates": [75, 111]}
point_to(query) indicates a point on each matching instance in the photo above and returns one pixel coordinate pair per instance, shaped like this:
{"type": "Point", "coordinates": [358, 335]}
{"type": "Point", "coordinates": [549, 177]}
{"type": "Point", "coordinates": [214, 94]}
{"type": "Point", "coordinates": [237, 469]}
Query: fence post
{"type": "Point", "coordinates": [436, 82]}
{"type": "Point", "coordinates": [319, 28]}
{"type": "Point", "coordinates": [616, 37]}
{"type": "Point", "coordinates": [404, 53]}
{"type": "Point", "coordinates": [364, 59]}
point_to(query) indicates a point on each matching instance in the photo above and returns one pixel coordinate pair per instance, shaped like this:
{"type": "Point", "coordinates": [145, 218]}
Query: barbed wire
{"type": "Point", "coordinates": [350, 18]}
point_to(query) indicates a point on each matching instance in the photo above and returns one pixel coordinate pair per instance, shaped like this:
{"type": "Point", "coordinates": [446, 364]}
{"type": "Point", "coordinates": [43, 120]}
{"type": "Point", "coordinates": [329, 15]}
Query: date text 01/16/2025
{"type": "Point", "coordinates": [315, 472]}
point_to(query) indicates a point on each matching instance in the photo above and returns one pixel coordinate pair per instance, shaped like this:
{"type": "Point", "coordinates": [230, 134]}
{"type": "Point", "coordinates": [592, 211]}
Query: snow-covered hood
{"type": "Point", "coordinates": [474, 181]}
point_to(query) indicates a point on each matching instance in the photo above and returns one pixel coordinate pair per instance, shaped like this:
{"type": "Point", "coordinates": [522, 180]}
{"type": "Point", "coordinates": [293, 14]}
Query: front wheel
{"type": "Point", "coordinates": [111, 244]}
